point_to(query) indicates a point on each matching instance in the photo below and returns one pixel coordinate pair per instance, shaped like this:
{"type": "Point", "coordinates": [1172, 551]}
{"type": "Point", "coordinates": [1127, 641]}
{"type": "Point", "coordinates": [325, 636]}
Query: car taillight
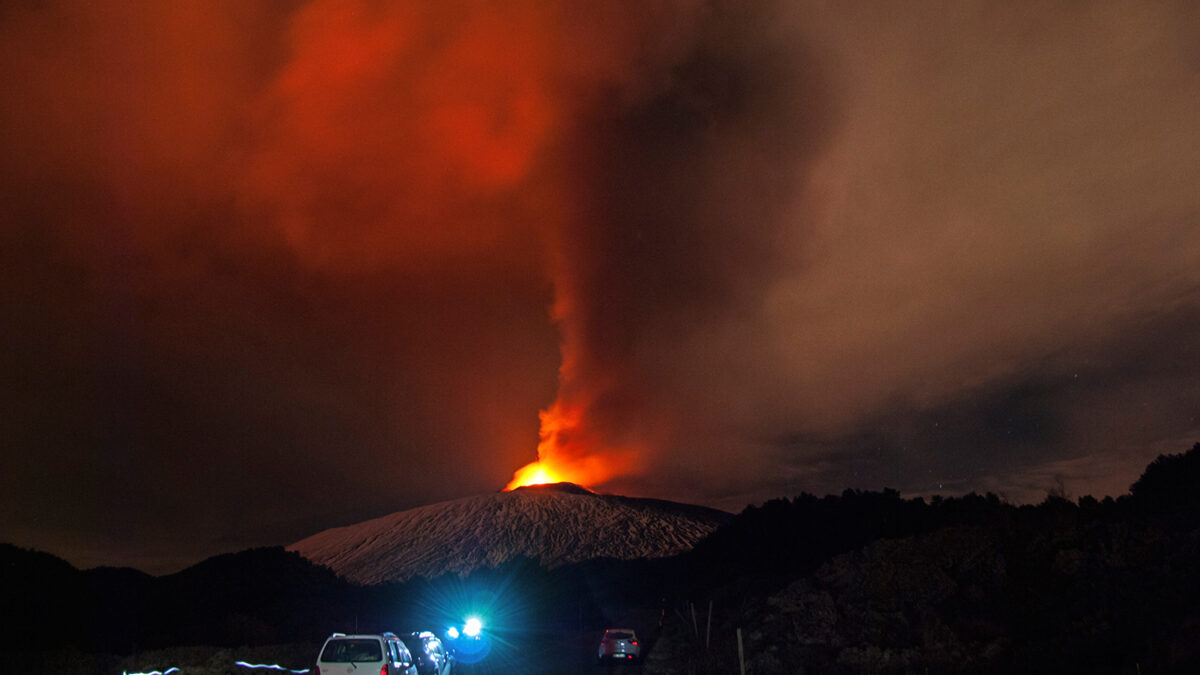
{"type": "Point", "coordinates": [383, 669]}
{"type": "Point", "coordinates": [633, 642]}
{"type": "Point", "coordinates": [316, 670]}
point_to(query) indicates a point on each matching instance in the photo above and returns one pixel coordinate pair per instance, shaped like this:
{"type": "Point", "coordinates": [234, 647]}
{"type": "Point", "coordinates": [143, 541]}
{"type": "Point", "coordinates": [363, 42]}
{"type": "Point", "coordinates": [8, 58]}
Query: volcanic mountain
{"type": "Point", "coordinates": [553, 524]}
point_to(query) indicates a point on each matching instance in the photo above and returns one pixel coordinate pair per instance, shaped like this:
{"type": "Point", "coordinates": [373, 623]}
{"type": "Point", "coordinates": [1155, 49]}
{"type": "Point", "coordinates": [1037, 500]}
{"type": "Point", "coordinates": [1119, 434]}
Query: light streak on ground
{"type": "Point", "coordinates": [268, 667]}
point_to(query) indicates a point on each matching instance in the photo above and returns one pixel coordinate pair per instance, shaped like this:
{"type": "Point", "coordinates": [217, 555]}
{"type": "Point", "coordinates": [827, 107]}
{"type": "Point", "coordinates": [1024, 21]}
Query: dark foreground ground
{"type": "Point", "coordinates": [568, 652]}
{"type": "Point", "coordinates": [571, 652]}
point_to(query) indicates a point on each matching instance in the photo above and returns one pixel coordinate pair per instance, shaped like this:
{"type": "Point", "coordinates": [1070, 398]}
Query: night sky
{"type": "Point", "coordinates": [268, 268]}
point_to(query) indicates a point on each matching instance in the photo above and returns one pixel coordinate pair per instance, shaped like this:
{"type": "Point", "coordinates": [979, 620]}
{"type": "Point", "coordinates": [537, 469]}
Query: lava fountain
{"type": "Point", "coordinates": [565, 454]}
{"type": "Point", "coordinates": [550, 466]}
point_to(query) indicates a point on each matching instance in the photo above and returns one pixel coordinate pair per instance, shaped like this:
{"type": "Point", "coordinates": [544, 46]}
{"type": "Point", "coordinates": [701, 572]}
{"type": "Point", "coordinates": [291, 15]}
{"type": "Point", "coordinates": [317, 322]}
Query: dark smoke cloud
{"type": "Point", "coordinates": [985, 264]}
{"type": "Point", "coordinates": [271, 268]}
{"type": "Point", "coordinates": [680, 197]}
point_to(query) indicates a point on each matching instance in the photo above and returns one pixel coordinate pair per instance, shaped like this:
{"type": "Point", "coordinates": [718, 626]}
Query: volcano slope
{"type": "Point", "coordinates": [553, 525]}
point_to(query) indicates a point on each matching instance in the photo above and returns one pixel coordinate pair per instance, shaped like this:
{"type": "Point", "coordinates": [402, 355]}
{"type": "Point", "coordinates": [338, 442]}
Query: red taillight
{"type": "Point", "coordinates": [383, 669]}
{"type": "Point", "coordinates": [316, 670]}
{"type": "Point", "coordinates": [633, 642]}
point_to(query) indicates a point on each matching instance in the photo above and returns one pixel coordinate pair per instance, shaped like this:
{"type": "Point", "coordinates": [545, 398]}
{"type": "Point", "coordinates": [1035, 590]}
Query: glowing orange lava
{"type": "Point", "coordinates": [552, 465]}
{"type": "Point", "coordinates": [532, 474]}
{"type": "Point", "coordinates": [548, 467]}
{"type": "Point", "coordinates": [566, 453]}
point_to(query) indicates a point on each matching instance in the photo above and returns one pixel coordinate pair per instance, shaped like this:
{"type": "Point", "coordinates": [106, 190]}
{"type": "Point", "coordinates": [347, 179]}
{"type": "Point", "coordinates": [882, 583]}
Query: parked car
{"type": "Point", "coordinates": [430, 654]}
{"type": "Point", "coordinates": [384, 654]}
{"type": "Point", "coordinates": [619, 644]}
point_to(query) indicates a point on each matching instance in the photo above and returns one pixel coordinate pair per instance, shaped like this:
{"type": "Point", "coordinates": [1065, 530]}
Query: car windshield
{"type": "Point", "coordinates": [346, 651]}
{"type": "Point", "coordinates": [618, 635]}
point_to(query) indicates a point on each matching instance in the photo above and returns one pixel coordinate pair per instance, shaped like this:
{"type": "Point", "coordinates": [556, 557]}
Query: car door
{"type": "Point", "coordinates": [393, 657]}
{"type": "Point", "coordinates": [405, 663]}
{"type": "Point", "coordinates": [439, 653]}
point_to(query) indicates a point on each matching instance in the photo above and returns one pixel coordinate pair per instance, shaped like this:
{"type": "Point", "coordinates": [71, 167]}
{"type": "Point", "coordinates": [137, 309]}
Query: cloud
{"type": "Point", "coordinates": [885, 217]}
{"type": "Point", "coordinates": [1004, 206]}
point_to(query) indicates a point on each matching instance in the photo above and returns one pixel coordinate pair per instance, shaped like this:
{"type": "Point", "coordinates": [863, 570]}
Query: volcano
{"type": "Point", "coordinates": [554, 525]}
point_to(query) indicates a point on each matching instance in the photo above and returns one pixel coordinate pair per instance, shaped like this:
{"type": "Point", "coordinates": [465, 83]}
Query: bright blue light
{"type": "Point", "coordinates": [452, 633]}
{"type": "Point", "coordinates": [472, 649]}
{"type": "Point", "coordinates": [472, 627]}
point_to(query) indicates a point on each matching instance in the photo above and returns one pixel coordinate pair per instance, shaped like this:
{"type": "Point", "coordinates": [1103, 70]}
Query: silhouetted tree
{"type": "Point", "coordinates": [1170, 484]}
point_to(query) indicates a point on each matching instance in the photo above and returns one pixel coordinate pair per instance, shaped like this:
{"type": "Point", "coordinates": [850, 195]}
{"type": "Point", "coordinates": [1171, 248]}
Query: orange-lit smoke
{"type": "Point", "coordinates": [457, 142]}
{"type": "Point", "coordinates": [401, 134]}
{"type": "Point", "coordinates": [363, 135]}
{"type": "Point", "coordinates": [417, 135]}
{"type": "Point", "coordinates": [413, 134]}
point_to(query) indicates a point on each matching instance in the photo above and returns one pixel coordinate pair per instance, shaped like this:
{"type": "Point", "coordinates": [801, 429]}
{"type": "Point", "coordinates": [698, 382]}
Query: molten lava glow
{"type": "Point", "coordinates": [567, 454]}
{"type": "Point", "coordinates": [532, 474]}
{"type": "Point", "coordinates": [551, 466]}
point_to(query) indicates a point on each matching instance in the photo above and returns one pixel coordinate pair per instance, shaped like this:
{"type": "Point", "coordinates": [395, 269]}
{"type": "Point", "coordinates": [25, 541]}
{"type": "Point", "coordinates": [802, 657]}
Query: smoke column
{"type": "Point", "coordinates": [677, 200]}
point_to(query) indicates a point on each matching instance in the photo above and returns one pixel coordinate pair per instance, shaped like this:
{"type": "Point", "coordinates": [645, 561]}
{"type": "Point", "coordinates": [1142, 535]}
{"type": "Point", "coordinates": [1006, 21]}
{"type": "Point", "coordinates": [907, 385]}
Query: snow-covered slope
{"type": "Point", "coordinates": [553, 524]}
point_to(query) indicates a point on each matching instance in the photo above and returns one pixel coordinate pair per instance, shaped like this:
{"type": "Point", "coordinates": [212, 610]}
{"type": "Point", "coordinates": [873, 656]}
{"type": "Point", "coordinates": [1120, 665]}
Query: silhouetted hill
{"type": "Point", "coordinates": [253, 597]}
{"type": "Point", "coordinates": [869, 582]}
{"type": "Point", "coordinates": [117, 609]}
{"type": "Point", "coordinates": [37, 590]}
{"type": "Point", "coordinates": [792, 536]}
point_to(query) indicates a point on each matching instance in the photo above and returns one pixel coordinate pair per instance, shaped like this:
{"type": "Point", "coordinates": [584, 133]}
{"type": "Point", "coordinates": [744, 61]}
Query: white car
{"type": "Point", "coordinates": [619, 644]}
{"type": "Point", "coordinates": [382, 654]}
